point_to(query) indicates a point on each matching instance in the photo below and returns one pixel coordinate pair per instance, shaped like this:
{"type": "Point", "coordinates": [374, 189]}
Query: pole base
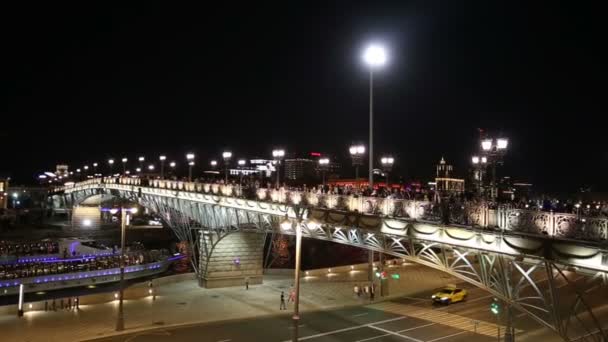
{"type": "Point", "coordinates": [20, 313]}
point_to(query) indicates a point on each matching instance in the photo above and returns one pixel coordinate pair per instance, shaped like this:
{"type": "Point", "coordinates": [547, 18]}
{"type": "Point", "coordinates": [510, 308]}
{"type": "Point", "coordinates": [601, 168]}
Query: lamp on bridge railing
{"type": "Point", "coordinates": [323, 166]}
{"type": "Point", "coordinates": [111, 163]}
{"type": "Point", "coordinates": [387, 166]}
{"type": "Point", "coordinates": [226, 155]}
{"type": "Point", "coordinates": [375, 56]}
{"type": "Point", "coordinates": [124, 164]}
{"type": "Point", "coordinates": [138, 170]}
{"type": "Point", "coordinates": [278, 156]}
{"type": "Point", "coordinates": [172, 165]}
{"type": "Point", "coordinates": [162, 159]}
{"type": "Point", "coordinates": [141, 160]}
{"type": "Point", "coordinates": [356, 153]}
{"type": "Point", "coordinates": [151, 167]}
{"type": "Point", "coordinates": [492, 151]}
{"type": "Point", "coordinates": [190, 159]}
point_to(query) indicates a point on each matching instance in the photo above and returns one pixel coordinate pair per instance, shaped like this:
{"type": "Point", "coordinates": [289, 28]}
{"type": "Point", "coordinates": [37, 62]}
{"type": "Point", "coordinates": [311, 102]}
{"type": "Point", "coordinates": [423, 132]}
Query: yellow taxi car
{"type": "Point", "coordinates": [449, 294]}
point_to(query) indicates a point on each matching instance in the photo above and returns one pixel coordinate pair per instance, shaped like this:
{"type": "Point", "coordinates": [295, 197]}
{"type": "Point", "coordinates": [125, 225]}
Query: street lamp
{"type": "Point", "coordinates": [356, 154]}
{"type": "Point", "coordinates": [120, 321]}
{"type": "Point", "coordinates": [172, 165]}
{"type": "Point", "coordinates": [111, 163]}
{"type": "Point", "coordinates": [278, 155]}
{"type": "Point", "coordinates": [190, 159]}
{"type": "Point", "coordinates": [241, 163]}
{"type": "Point", "coordinates": [162, 166]}
{"type": "Point", "coordinates": [94, 169]}
{"type": "Point", "coordinates": [375, 57]}
{"type": "Point", "coordinates": [226, 155]}
{"type": "Point", "coordinates": [151, 167]}
{"type": "Point", "coordinates": [124, 165]}
{"type": "Point", "coordinates": [323, 165]}
{"type": "Point", "coordinates": [492, 151]}
{"type": "Point", "coordinates": [387, 166]}
{"type": "Point", "coordinates": [141, 160]}
{"type": "Point", "coordinates": [479, 163]}
{"type": "Point", "coordinates": [138, 170]}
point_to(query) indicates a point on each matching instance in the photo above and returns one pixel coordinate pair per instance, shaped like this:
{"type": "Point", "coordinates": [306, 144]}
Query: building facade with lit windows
{"type": "Point", "coordinates": [445, 183]}
{"type": "Point", "coordinates": [3, 193]}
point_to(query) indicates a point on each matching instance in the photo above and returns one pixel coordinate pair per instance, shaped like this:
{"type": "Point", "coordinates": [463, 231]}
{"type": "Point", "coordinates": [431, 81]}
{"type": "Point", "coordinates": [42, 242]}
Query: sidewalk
{"type": "Point", "coordinates": [184, 303]}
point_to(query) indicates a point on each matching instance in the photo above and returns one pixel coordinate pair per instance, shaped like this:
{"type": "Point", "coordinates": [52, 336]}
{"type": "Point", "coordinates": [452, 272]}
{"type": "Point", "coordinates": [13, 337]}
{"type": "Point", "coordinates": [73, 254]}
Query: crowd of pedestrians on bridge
{"type": "Point", "coordinates": [8, 248]}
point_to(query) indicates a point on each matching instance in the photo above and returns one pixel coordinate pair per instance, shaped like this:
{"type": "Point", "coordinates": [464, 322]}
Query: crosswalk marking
{"type": "Point", "coordinates": [440, 317]}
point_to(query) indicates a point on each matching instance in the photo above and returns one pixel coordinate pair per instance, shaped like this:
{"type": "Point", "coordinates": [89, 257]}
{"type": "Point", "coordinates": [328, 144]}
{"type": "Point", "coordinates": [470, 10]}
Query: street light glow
{"type": "Point", "coordinates": [502, 143]}
{"type": "Point", "coordinates": [475, 160]}
{"type": "Point", "coordinates": [151, 167]}
{"type": "Point", "coordinates": [241, 162]}
{"type": "Point", "coordinates": [484, 160]}
{"type": "Point", "coordinates": [110, 161]}
{"type": "Point", "coordinates": [278, 153]}
{"type": "Point", "coordinates": [141, 159]}
{"type": "Point", "coordinates": [227, 155]}
{"type": "Point", "coordinates": [162, 158]}
{"type": "Point", "coordinates": [324, 161]}
{"type": "Point", "coordinates": [124, 160]}
{"type": "Point", "coordinates": [191, 163]}
{"type": "Point", "coordinates": [172, 164]}
{"type": "Point", "coordinates": [214, 163]}
{"type": "Point", "coordinates": [375, 55]}
{"type": "Point", "coordinates": [189, 156]}
{"type": "Point", "coordinates": [486, 144]}
{"type": "Point", "coordinates": [387, 160]}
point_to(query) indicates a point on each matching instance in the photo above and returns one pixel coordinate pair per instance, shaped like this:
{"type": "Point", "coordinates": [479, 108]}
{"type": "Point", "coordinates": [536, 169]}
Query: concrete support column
{"type": "Point", "coordinates": [234, 259]}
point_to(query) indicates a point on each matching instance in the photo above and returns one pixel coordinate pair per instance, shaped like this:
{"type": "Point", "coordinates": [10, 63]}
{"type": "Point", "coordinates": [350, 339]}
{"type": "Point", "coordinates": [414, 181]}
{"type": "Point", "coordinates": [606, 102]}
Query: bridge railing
{"type": "Point", "coordinates": [465, 214]}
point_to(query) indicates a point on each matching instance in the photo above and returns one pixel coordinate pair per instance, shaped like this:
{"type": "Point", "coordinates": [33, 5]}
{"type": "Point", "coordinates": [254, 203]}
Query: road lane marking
{"type": "Point", "coordinates": [347, 329]}
{"type": "Point", "coordinates": [400, 331]}
{"type": "Point", "coordinates": [441, 338]}
{"type": "Point", "coordinates": [395, 334]}
{"type": "Point", "coordinates": [361, 314]}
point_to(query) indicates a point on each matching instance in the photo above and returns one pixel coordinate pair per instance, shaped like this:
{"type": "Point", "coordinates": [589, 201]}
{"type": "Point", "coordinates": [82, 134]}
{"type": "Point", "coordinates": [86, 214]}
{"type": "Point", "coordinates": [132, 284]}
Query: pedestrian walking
{"type": "Point", "coordinates": [77, 303]}
{"type": "Point", "coordinates": [70, 303]}
{"type": "Point", "coordinates": [292, 295]}
{"type": "Point", "coordinates": [283, 306]}
{"type": "Point", "coordinates": [247, 283]}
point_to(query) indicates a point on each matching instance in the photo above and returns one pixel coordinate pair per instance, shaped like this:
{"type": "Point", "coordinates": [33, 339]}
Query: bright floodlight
{"type": "Point", "coordinates": [375, 55]}
{"type": "Point", "coordinates": [227, 155]}
{"type": "Point", "coordinates": [475, 160]}
{"type": "Point", "coordinates": [162, 158]}
{"type": "Point", "coordinates": [501, 144]}
{"type": "Point", "coordinates": [86, 222]}
{"type": "Point", "coordinates": [214, 163]}
{"type": "Point", "coordinates": [278, 153]}
{"type": "Point", "coordinates": [241, 162]}
{"type": "Point", "coordinates": [190, 156]}
{"type": "Point", "coordinates": [486, 145]}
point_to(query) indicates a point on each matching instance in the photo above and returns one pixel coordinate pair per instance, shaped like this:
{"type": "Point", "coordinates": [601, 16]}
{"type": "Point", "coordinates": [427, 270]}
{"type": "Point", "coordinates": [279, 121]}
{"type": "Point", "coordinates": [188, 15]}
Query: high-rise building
{"type": "Point", "coordinates": [299, 168]}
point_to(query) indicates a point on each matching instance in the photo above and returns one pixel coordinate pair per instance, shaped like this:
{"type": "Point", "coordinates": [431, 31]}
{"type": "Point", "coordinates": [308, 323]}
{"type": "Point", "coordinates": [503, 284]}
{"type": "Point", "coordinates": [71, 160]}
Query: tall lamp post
{"type": "Point", "coordinates": [162, 159]}
{"type": "Point", "coordinates": [323, 165]}
{"type": "Point", "coordinates": [94, 170]}
{"type": "Point", "coordinates": [356, 154]}
{"type": "Point", "coordinates": [226, 155]}
{"type": "Point", "coordinates": [387, 166]}
{"type": "Point", "coordinates": [375, 57]}
{"type": "Point", "coordinates": [141, 160]}
{"type": "Point", "coordinates": [86, 171]}
{"type": "Point", "coordinates": [287, 225]}
{"type": "Point", "coordinates": [278, 156]}
{"type": "Point", "coordinates": [120, 321]}
{"type": "Point", "coordinates": [124, 165]}
{"type": "Point", "coordinates": [241, 163]}
{"type": "Point", "coordinates": [190, 159]}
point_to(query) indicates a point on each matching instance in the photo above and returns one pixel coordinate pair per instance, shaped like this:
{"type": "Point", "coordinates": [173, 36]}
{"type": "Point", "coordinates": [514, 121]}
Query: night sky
{"type": "Point", "coordinates": [81, 84]}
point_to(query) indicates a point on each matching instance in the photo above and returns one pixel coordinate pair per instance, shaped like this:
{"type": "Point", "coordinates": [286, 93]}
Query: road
{"type": "Point", "coordinates": [404, 319]}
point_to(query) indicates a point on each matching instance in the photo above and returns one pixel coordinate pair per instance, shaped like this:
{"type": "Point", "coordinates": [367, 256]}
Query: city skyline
{"type": "Point", "coordinates": [130, 82]}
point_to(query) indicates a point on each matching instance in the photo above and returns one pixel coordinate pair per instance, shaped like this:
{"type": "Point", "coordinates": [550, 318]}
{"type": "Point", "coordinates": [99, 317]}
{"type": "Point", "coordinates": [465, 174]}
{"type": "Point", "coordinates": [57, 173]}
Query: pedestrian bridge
{"type": "Point", "coordinates": [551, 266]}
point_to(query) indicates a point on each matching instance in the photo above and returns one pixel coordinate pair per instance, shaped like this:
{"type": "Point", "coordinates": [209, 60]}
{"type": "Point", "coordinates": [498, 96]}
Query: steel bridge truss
{"type": "Point", "coordinates": [553, 294]}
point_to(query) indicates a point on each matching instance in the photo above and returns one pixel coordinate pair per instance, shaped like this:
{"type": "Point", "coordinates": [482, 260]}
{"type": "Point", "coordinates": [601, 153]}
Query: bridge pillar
{"type": "Point", "coordinates": [234, 259]}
